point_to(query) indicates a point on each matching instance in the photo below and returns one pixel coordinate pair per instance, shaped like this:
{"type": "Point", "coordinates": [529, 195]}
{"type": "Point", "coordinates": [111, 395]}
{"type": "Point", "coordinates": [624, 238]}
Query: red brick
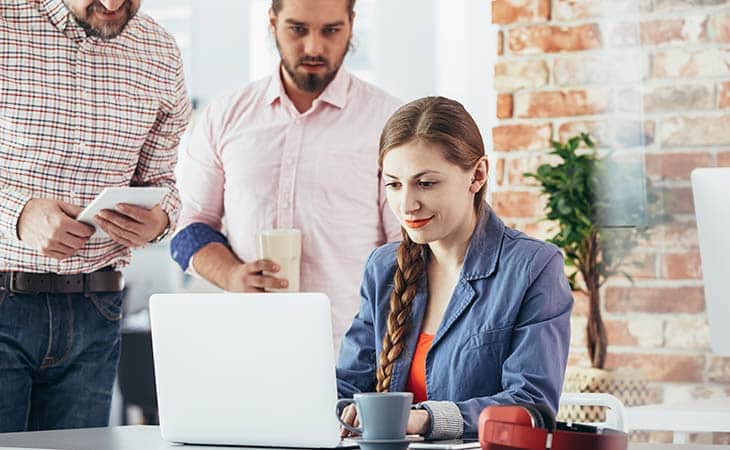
{"type": "Point", "coordinates": [552, 39]}
{"type": "Point", "coordinates": [667, 31]}
{"type": "Point", "coordinates": [510, 76]}
{"type": "Point", "coordinates": [660, 367]}
{"type": "Point", "coordinates": [624, 66]}
{"type": "Point", "coordinates": [560, 103]}
{"type": "Point", "coordinates": [521, 137]}
{"type": "Point", "coordinates": [722, 28]}
{"type": "Point", "coordinates": [578, 357]}
{"type": "Point", "coordinates": [679, 98]}
{"type": "Point", "coordinates": [723, 159]}
{"type": "Point", "coordinates": [683, 5]}
{"type": "Point", "coordinates": [655, 299]}
{"type": "Point", "coordinates": [518, 204]}
{"type": "Point", "coordinates": [616, 133]}
{"type": "Point", "coordinates": [695, 131]}
{"type": "Point", "coordinates": [497, 170]}
{"type": "Point", "coordinates": [640, 266]}
{"type": "Point", "coordinates": [725, 95]}
{"type": "Point", "coordinates": [515, 169]}
{"type": "Point", "coordinates": [618, 333]}
{"type": "Point", "coordinates": [675, 165]}
{"type": "Point", "coordinates": [504, 106]}
{"type": "Point", "coordinates": [540, 229]}
{"type": "Point", "coordinates": [676, 201]}
{"type": "Point", "coordinates": [681, 63]}
{"type": "Point", "coordinates": [719, 371]}
{"type": "Point", "coordinates": [511, 11]}
{"type": "Point", "coordinates": [675, 234]}
{"type": "Point", "coordinates": [623, 34]}
{"type": "Point", "coordinates": [582, 9]}
{"type": "Point", "coordinates": [681, 266]}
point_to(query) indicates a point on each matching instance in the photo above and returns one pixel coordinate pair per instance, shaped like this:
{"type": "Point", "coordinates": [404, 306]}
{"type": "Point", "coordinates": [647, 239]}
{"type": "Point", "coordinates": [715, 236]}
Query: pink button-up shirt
{"type": "Point", "coordinates": [254, 162]}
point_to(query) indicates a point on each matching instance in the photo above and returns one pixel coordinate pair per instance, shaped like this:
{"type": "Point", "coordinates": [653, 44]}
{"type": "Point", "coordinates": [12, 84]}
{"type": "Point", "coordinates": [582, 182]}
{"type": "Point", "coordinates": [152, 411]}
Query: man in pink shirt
{"type": "Point", "coordinates": [297, 149]}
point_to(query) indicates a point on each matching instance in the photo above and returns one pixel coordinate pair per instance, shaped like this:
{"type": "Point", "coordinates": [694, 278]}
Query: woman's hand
{"type": "Point", "coordinates": [349, 416]}
{"type": "Point", "coordinates": [419, 422]}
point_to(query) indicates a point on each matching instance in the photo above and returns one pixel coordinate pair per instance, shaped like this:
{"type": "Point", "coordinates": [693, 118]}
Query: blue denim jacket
{"type": "Point", "coordinates": [504, 336]}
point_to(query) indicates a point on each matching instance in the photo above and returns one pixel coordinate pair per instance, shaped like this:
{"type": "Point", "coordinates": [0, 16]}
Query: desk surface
{"type": "Point", "coordinates": [710, 415]}
{"type": "Point", "coordinates": [148, 438]}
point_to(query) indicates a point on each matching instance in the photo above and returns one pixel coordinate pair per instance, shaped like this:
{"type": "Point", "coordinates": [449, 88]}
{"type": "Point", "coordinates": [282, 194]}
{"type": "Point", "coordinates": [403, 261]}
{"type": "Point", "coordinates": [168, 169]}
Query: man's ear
{"type": "Point", "coordinates": [272, 21]}
{"type": "Point", "coordinates": [479, 175]}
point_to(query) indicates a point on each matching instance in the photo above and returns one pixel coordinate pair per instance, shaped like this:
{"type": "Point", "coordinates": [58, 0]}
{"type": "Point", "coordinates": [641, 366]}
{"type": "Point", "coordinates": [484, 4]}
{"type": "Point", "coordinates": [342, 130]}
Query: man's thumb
{"type": "Point", "coordinates": [71, 210]}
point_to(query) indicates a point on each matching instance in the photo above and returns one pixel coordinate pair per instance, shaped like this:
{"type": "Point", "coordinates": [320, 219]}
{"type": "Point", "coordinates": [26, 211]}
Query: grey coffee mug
{"type": "Point", "coordinates": [383, 415]}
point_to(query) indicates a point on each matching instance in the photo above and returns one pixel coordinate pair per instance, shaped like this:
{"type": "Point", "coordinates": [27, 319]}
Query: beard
{"type": "Point", "coordinates": [104, 29]}
{"type": "Point", "coordinates": [311, 82]}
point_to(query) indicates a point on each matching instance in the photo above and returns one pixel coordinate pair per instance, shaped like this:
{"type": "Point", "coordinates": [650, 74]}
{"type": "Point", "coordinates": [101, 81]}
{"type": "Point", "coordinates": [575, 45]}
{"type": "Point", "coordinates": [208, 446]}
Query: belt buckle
{"type": "Point", "coordinates": [14, 289]}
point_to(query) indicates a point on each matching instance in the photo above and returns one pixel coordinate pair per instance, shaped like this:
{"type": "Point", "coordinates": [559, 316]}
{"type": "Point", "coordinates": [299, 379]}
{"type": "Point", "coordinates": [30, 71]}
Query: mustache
{"type": "Point", "coordinates": [313, 60]}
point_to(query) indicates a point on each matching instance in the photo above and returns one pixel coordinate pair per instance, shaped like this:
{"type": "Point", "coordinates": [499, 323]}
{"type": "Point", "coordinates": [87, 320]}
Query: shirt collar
{"type": "Point", "coordinates": [485, 246]}
{"type": "Point", "coordinates": [57, 12]}
{"type": "Point", "coordinates": [335, 93]}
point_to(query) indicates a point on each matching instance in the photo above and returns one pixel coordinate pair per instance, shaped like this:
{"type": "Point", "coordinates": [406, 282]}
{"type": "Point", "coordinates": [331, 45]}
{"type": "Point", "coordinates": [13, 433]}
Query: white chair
{"type": "Point", "coordinates": [615, 410]}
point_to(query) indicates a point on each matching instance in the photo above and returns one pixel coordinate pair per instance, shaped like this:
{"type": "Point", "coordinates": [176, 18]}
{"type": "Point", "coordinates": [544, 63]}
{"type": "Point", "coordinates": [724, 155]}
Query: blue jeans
{"type": "Point", "coordinates": [58, 359]}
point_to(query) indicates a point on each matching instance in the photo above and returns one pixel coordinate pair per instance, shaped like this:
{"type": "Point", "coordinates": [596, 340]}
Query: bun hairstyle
{"type": "Point", "coordinates": [433, 120]}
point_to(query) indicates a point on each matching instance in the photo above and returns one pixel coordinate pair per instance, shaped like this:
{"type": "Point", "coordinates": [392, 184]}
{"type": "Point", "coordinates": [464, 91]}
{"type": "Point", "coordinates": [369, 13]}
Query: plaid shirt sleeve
{"type": "Point", "coordinates": [158, 156]}
{"type": "Point", "coordinates": [11, 205]}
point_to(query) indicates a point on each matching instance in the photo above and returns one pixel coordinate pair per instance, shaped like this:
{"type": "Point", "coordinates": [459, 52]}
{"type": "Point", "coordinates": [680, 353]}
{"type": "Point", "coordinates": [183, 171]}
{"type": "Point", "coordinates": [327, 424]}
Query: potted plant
{"type": "Point", "coordinates": [580, 207]}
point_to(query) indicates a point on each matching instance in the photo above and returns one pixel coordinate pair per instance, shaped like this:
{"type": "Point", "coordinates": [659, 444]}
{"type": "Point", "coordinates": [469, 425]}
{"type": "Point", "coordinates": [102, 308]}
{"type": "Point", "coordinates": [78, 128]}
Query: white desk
{"type": "Point", "coordinates": [148, 438]}
{"type": "Point", "coordinates": [698, 416]}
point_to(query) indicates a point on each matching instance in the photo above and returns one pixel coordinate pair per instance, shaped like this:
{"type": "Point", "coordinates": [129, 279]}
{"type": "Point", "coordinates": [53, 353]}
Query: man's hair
{"type": "Point", "coordinates": [276, 6]}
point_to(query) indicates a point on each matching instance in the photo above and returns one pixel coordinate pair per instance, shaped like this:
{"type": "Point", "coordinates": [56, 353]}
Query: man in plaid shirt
{"type": "Point", "coordinates": [91, 95]}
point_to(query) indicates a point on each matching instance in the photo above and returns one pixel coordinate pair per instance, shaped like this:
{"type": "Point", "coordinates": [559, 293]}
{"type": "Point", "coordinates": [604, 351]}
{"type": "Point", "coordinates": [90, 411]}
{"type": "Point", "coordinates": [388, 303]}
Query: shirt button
{"type": "Point", "coordinates": [285, 205]}
{"type": "Point", "coordinates": [298, 122]}
{"type": "Point", "coordinates": [290, 161]}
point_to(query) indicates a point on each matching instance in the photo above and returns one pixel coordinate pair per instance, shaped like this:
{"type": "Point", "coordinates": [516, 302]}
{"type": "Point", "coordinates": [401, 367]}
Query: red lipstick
{"type": "Point", "coordinates": [418, 223]}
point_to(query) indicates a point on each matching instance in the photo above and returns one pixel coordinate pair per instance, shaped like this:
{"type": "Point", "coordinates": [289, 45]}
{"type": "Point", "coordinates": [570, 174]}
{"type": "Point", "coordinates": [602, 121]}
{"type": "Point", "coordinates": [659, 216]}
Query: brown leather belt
{"type": "Point", "coordinates": [105, 280]}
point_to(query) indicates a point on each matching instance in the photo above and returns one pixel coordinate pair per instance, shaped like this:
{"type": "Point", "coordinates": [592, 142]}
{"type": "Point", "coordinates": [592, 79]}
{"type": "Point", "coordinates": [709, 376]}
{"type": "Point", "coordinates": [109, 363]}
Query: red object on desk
{"type": "Point", "coordinates": [532, 427]}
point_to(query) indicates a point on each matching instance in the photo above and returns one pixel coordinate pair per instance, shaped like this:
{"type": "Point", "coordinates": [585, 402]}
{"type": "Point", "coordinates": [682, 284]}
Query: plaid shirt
{"type": "Point", "coordinates": [78, 114]}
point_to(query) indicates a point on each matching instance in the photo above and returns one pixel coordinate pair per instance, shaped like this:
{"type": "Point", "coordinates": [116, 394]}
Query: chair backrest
{"type": "Point", "coordinates": [615, 410]}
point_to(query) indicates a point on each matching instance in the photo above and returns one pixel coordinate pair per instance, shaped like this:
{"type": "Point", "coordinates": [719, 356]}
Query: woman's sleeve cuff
{"type": "Point", "coordinates": [446, 419]}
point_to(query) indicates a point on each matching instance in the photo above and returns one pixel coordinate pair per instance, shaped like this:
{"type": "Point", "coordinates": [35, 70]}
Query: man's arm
{"type": "Point", "coordinates": [11, 205]}
{"type": "Point", "coordinates": [134, 226]}
{"type": "Point", "coordinates": [205, 250]}
{"type": "Point", "coordinates": [158, 157]}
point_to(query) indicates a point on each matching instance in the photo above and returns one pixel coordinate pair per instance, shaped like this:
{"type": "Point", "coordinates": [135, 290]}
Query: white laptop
{"type": "Point", "coordinates": [245, 369]}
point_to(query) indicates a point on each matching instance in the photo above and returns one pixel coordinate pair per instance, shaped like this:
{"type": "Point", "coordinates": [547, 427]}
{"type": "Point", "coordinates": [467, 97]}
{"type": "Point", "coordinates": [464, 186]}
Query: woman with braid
{"type": "Point", "coordinates": [464, 312]}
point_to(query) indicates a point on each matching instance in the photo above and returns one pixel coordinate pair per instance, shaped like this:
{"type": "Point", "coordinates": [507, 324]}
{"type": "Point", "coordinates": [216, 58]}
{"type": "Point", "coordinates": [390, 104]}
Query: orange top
{"type": "Point", "coordinates": [417, 376]}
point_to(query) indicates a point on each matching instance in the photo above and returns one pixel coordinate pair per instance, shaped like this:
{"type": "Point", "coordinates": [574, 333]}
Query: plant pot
{"type": "Point", "coordinates": [628, 385]}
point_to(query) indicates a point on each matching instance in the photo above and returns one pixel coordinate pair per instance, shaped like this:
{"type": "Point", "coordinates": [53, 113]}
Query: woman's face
{"type": "Point", "coordinates": [432, 197]}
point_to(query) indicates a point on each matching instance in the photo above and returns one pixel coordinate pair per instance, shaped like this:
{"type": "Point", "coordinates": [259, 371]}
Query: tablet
{"type": "Point", "coordinates": [448, 444]}
{"type": "Point", "coordinates": [145, 197]}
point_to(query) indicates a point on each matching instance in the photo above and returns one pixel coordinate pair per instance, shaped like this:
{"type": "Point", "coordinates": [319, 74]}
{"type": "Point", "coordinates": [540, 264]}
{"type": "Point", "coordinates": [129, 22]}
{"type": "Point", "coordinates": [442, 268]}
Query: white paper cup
{"type": "Point", "coordinates": [284, 247]}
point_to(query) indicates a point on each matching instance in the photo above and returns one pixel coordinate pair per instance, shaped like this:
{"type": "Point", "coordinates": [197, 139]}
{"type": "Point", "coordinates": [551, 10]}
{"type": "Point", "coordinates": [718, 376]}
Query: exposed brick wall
{"type": "Point", "coordinates": [644, 77]}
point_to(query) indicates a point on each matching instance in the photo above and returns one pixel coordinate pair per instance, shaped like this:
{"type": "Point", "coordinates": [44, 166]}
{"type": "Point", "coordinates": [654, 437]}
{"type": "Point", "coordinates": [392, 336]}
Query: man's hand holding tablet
{"type": "Point", "coordinates": [130, 216]}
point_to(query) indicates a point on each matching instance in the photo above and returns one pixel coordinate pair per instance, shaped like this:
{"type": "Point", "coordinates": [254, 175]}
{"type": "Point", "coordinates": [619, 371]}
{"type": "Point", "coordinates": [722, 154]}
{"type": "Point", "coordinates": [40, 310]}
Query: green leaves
{"type": "Point", "coordinates": [570, 187]}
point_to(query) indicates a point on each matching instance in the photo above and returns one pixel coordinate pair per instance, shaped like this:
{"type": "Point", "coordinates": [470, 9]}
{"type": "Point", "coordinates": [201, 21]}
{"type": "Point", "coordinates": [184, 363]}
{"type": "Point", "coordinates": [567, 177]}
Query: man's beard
{"type": "Point", "coordinates": [107, 30]}
{"type": "Point", "coordinates": [311, 82]}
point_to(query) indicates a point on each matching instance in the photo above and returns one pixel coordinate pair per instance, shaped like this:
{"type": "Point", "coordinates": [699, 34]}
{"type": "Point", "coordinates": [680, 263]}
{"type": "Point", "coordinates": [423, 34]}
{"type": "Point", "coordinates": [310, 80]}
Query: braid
{"type": "Point", "coordinates": [405, 284]}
